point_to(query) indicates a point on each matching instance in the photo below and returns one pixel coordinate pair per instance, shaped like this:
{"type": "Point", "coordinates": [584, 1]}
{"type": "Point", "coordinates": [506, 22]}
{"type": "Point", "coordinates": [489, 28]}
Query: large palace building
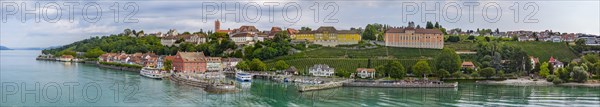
{"type": "Point", "coordinates": [414, 38]}
{"type": "Point", "coordinates": [329, 36]}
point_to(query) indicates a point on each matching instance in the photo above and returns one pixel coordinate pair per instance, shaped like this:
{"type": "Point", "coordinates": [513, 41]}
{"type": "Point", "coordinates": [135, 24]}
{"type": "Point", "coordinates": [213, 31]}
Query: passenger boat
{"type": "Point", "coordinates": [152, 73]}
{"type": "Point", "coordinates": [244, 77]}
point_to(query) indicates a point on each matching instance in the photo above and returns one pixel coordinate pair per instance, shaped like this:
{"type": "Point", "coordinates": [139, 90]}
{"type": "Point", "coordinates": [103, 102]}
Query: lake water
{"type": "Point", "coordinates": [74, 84]}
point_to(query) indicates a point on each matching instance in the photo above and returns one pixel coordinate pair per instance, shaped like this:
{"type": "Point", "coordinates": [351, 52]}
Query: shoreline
{"type": "Point", "coordinates": [527, 82]}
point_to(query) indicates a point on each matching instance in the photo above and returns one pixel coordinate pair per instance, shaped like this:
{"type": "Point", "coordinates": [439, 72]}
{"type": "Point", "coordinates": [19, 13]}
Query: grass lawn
{"type": "Point", "coordinates": [544, 50]}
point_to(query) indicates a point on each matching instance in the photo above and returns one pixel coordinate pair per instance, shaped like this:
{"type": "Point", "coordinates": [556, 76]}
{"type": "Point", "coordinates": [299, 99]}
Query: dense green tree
{"type": "Point", "coordinates": [429, 25]}
{"type": "Point", "coordinates": [168, 65]}
{"type": "Point", "coordinates": [544, 71]}
{"type": "Point", "coordinates": [562, 73]}
{"type": "Point", "coordinates": [342, 73]}
{"type": "Point", "coordinates": [421, 68]}
{"type": "Point", "coordinates": [94, 53]}
{"type": "Point", "coordinates": [305, 29]}
{"type": "Point", "coordinates": [370, 32]}
{"type": "Point", "coordinates": [243, 65]}
{"type": "Point", "coordinates": [580, 75]}
{"type": "Point", "coordinates": [396, 70]}
{"type": "Point", "coordinates": [448, 60]}
{"type": "Point", "coordinates": [487, 72]}
{"type": "Point", "coordinates": [68, 52]}
{"type": "Point", "coordinates": [453, 39]}
{"type": "Point", "coordinates": [258, 65]}
{"type": "Point", "coordinates": [442, 73]}
{"type": "Point", "coordinates": [393, 69]}
{"type": "Point", "coordinates": [281, 65]}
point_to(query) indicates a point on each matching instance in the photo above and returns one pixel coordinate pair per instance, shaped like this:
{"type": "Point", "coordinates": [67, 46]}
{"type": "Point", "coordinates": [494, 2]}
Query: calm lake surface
{"type": "Point", "coordinates": [75, 84]}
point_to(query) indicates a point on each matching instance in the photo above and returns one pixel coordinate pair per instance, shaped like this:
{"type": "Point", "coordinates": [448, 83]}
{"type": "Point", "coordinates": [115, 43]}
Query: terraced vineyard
{"type": "Point", "coordinates": [544, 50]}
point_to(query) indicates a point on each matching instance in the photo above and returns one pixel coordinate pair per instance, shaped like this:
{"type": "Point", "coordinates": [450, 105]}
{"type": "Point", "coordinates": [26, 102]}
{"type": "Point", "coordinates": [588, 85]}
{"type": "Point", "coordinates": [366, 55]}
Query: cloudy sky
{"type": "Point", "coordinates": [55, 27]}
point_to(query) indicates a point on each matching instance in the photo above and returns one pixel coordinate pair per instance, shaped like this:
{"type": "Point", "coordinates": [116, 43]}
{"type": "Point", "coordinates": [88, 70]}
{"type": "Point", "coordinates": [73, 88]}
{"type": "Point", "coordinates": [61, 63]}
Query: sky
{"type": "Point", "coordinates": [64, 22]}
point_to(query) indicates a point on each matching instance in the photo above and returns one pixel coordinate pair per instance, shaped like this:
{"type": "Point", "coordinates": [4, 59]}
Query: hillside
{"type": "Point", "coordinates": [544, 50]}
{"type": "Point", "coordinates": [350, 59]}
{"type": "Point", "coordinates": [4, 48]}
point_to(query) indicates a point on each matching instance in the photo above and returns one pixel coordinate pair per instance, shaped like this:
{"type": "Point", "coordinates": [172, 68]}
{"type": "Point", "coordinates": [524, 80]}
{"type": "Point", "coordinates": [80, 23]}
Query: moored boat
{"type": "Point", "coordinates": [244, 77]}
{"type": "Point", "coordinates": [152, 73]}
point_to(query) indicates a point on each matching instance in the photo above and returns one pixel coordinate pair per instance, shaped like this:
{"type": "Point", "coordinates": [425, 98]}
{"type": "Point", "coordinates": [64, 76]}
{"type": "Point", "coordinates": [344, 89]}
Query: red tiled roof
{"type": "Point", "coordinates": [365, 69]}
{"type": "Point", "coordinates": [420, 31]}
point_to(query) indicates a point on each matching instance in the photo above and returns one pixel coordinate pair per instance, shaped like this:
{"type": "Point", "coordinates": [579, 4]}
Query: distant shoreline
{"type": "Point", "coordinates": [527, 82]}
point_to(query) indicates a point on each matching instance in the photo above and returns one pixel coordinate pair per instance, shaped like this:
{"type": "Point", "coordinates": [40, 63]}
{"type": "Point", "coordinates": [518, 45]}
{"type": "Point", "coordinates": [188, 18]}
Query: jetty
{"type": "Point", "coordinates": [402, 84]}
{"type": "Point", "coordinates": [378, 84]}
{"type": "Point", "coordinates": [328, 85]}
{"type": "Point", "coordinates": [212, 86]}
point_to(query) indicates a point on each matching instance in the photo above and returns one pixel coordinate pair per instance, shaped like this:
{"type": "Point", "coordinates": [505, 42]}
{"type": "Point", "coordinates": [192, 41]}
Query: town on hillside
{"type": "Point", "coordinates": [326, 57]}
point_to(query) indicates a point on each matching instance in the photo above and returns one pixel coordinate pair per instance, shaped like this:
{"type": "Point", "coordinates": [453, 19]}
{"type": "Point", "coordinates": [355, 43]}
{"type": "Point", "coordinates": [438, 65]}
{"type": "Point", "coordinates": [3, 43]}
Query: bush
{"type": "Point", "coordinates": [557, 81]}
{"type": "Point", "coordinates": [453, 39]}
{"type": "Point", "coordinates": [487, 72]}
{"type": "Point", "coordinates": [475, 74]}
{"type": "Point", "coordinates": [580, 75]}
{"type": "Point", "coordinates": [457, 74]}
{"type": "Point", "coordinates": [501, 73]}
{"type": "Point", "coordinates": [551, 78]}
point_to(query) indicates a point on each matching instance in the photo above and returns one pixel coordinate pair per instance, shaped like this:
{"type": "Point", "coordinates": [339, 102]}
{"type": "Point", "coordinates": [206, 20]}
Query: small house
{"type": "Point", "coordinates": [468, 64]}
{"type": "Point", "coordinates": [321, 70]}
{"type": "Point", "coordinates": [365, 72]}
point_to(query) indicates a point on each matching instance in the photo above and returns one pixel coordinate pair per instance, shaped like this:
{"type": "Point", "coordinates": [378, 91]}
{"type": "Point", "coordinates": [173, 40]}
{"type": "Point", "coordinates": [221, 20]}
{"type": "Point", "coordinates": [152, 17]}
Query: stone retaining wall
{"type": "Point", "coordinates": [119, 68]}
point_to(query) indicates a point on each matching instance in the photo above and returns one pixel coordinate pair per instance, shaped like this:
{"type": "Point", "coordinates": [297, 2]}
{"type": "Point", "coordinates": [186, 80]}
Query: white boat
{"type": "Point", "coordinates": [244, 77]}
{"type": "Point", "coordinates": [152, 73]}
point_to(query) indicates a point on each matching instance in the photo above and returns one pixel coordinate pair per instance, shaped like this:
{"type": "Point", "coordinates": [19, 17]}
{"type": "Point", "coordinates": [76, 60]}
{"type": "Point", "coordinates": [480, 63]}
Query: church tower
{"type": "Point", "coordinates": [217, 26]}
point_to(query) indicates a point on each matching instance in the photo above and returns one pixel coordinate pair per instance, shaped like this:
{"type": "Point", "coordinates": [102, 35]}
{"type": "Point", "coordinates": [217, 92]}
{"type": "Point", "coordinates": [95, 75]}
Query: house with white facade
{"type": "Point", "coordinates": [365, 72]}
{"type": "Point", "coordinates": [213, 64]}
{"type": "Point", "coordinates": [321, 70]}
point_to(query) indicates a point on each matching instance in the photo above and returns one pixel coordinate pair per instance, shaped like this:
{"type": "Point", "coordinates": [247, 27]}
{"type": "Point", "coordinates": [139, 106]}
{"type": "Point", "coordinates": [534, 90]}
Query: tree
{"type": "Point", "coordinates": [396, 70]}
{"type": "Point", "coordinates": [94, 53]}
{"type": "Point", "coordinates": [487, 72]}
{"type": "Point", "coordinates": [392, 69]}
{"type": "Point", "coordinates": [342, 73]}
{"type": "Point", "coordinates": [544, 71]}
{"type": "Point", "coordinates": [562, 73]}
{"type": "Point", "coordinates": [281, 65]}
{"type": "Point", "coordinates": [305, 29]}
{"type": "Point", "coordinates": [453, 39]}
{"type": "Point", "coordinates": [429, 25]}
{"type": "Point", "coordinates": [591, 58]}
{"type": "Point", "coordinates": [243, 65]}
{"type": "Point", "coordinates": [257, 65]}
{"type": "Point", "coordinates": [580, 75]}
{"type": "Point", "coordinates": [168, 65]}
{"type": "Point", "coordinates": [68, 52]}
{"type": "Point", "coordinates": [421, 68]}
{"type": "Point", "coordinates": [448, 60]}
{"type": "Point", "coordinates": [437, 25]}
{"type": "Point", "coordinates": [370, 32]}
{"type": "Point", "coordinates": [442, 73]}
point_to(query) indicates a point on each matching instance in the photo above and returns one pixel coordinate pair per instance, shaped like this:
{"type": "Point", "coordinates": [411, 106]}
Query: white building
{"type": "Point", "coordinates": [243, 38]}
{"type": "Point", "coordinates": [365, 72]}
{"type": "Point", "coordinates": [213, 64]}
{"type": "Point", "coordinates": [321, 70]}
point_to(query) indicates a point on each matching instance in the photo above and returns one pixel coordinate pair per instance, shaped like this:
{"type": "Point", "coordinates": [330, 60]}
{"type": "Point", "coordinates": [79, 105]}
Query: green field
{"type": "Point", "coordinates": [544, 50]}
